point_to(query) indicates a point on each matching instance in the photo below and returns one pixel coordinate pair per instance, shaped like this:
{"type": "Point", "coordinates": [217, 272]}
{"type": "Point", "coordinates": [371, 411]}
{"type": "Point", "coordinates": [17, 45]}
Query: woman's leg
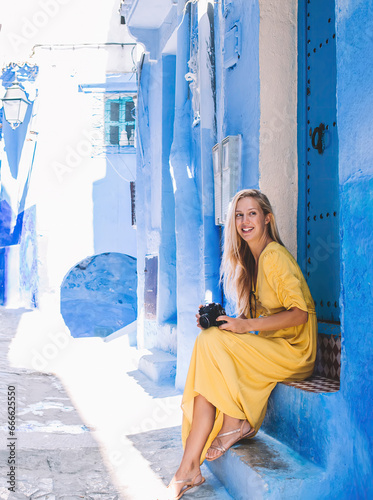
{"type": "Point", "coordinates": [202, 424]}
{"type": "Point", "coordinates": [229, 424]}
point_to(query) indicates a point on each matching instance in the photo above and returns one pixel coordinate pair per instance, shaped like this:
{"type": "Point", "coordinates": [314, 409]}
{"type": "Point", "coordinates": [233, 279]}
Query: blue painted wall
{"type": "Point", "coordinates": [336, 430]}
{"type": "Point", "coordinates": [11, 223]}
{"type": "Point", "coordinates": [167, 251]}
{"type": "Point", "coordinates": [241, 97]}
{"type": "Point", "coordinates": [3, 275]}
{"type": "Point", "coordinates": [188, 217]}
{"type": "Point", "coordinates": [204, 139]}
{"type": "Point", "coordinates": [354, 114]}
{"type": "Point", "coordinates": [14, 141]}
{"type": "Point", "coordinates": [28, 259]}
{"type": "Point", "coordinates": [17, 227]}
{"type": "Point", "coordinates": [111, 197]}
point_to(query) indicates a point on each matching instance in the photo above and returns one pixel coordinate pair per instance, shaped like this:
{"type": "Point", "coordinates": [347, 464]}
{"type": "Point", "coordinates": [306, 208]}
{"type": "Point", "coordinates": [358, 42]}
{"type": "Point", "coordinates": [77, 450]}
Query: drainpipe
{"type": "Point", "coordinates": [187, 206]}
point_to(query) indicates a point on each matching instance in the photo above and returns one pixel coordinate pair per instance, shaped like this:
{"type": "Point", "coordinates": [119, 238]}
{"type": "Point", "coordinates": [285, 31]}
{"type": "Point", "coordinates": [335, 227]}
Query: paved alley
{"type": "Point", "coordinates": [88, 424]}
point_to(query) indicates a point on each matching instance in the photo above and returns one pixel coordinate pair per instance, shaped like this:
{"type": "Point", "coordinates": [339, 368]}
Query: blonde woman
{"type": "Point", "coordinates": [233, 370]}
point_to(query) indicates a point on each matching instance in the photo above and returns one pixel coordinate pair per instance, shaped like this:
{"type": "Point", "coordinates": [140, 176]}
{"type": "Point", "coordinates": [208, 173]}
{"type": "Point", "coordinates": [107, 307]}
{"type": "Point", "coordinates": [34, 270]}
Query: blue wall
{"type": "Point", "coordinates": [112, 205]}
{"type": "Point", "coordinates": [336, 430]}
{"type": "Point", "coordinates": [355, 119]}
{"type": "Point", "coordinates": [241, 97]}
{"type": "Point", "coordinates": [17, 228]}
{"type": "Point", "coordinates": [167, 251]}
{"type": "Point", "coordinates": [188, 217]}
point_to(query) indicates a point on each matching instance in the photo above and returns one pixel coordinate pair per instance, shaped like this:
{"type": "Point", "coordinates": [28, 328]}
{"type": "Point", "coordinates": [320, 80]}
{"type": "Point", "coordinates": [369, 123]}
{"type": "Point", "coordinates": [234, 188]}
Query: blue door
{"type": "Point", "coordinates": [319, 197]}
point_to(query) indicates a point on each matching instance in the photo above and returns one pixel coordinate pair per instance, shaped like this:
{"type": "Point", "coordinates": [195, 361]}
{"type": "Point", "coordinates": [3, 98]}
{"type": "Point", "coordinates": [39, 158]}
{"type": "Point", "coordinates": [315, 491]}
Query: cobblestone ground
{"type": "Point", "coordinates": [89, 425]}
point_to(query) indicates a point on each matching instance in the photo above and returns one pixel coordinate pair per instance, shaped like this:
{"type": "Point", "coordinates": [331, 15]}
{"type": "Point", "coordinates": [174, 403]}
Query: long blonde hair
{"type": "Point", "coordinates": [238, 263]}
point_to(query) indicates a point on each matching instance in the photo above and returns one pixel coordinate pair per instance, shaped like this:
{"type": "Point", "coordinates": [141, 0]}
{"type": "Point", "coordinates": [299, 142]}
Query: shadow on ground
{"type": "Point", "coordinates": [162, 449]}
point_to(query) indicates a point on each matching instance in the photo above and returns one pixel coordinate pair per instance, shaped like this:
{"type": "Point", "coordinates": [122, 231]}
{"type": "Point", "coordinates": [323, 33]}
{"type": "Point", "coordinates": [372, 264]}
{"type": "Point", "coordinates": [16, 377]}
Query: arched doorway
{"type": "Point", "coordinates": [99, 295]}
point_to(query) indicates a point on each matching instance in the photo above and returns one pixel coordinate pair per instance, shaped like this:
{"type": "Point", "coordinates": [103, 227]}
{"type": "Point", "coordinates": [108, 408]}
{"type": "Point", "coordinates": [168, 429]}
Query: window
{"type": "Point", "coordinates": [119, 121]}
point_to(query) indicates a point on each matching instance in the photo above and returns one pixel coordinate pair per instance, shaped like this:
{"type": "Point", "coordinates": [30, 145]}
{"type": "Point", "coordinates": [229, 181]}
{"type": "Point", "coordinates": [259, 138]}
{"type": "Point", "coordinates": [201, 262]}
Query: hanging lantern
{"type": "Point", "coordinates": [15, 104]}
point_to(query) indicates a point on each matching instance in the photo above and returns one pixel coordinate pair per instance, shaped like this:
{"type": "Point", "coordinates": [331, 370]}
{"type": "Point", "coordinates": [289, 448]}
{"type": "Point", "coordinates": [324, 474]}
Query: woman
{"type": "Point", "coordinates": [233, 370]}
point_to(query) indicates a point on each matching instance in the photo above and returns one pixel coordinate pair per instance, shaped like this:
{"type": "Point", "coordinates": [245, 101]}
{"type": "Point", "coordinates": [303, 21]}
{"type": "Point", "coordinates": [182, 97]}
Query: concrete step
{"type": "Point", "coordinates": [263, 468]}
{"type": "Point", "coordinates": [158, 365]}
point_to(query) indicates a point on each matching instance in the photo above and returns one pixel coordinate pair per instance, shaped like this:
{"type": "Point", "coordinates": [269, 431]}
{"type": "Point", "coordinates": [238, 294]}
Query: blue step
{"type": "Point", "coordinates": [263, 468]}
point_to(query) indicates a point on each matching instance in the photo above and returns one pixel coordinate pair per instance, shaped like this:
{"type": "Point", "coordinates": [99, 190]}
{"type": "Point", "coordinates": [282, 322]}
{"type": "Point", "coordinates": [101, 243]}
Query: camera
{"type": "Point", "coordinates": [209, 313]}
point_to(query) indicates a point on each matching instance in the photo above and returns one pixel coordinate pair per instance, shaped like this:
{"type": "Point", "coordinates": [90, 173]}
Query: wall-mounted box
{"type": "Point", "coordinates": [227, 174]}
{"type": "Point", "coordinates": [232, 46]}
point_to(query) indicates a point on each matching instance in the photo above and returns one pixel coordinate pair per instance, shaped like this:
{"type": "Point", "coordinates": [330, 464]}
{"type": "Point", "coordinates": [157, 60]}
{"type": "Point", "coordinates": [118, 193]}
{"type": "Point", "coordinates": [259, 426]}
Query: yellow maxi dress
{"type": "Point", "coordinates": [237, 372]}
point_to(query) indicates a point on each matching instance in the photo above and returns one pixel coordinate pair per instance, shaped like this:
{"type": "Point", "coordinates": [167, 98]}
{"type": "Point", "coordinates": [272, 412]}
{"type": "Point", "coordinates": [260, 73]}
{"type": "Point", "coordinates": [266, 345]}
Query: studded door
{"type": "Point", "coordinates": [322, 197]}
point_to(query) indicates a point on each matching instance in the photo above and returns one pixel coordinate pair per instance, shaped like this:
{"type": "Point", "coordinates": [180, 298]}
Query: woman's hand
{"type": "Point", "coordinates": [235, 325]}
{"type": "Point", "coordinates": [284, 319]}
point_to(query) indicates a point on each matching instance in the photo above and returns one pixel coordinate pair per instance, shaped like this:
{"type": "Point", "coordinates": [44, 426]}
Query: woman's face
{"type": "Point", "coordinates": [251, 224]}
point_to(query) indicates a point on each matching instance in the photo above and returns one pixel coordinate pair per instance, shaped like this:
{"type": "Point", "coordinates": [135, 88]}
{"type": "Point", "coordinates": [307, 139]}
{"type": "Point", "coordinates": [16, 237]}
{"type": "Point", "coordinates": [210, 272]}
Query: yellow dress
{"type": "Point", "coordinates": [237, 372]}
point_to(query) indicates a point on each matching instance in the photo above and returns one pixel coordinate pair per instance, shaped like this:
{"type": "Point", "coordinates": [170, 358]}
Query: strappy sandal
{"type": "Point", "coordinates": [220, 446]}
{"type": "Point", "coordinates": [189, 484]}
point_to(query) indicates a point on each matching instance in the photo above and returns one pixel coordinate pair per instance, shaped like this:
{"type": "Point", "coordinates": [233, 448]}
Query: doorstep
{"type": "Point", "coordinates": [159, 366]}
{"type": "Point", "coordinates": [263, 468]}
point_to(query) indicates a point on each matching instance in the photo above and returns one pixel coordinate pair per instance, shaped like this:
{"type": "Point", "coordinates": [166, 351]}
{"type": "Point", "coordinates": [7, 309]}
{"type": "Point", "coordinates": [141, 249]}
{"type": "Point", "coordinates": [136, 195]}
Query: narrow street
{"type": "Point", "coordinates": [88, 424]}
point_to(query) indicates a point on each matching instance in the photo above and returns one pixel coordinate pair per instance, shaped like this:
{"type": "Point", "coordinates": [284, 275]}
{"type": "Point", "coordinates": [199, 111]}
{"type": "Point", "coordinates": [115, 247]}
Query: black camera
{"type": "Point", "coordinates": [209, 313]}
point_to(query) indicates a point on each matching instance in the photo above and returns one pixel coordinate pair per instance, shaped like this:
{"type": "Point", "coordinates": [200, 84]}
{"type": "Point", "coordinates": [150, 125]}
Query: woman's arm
{"type": "Point", "coordinates": [278, 321]}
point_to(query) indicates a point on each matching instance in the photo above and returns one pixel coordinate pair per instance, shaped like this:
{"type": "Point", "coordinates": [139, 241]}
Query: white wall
{"type": "Point", "coordinates": [67, 182]}
{"type": "Point", "coordinates": [278, 121]}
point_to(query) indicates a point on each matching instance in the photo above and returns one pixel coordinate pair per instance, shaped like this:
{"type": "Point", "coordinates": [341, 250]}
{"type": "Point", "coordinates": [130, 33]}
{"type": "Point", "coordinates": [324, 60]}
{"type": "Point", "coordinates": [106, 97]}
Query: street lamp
{"type": "Point", "coordinates": [15, 104]}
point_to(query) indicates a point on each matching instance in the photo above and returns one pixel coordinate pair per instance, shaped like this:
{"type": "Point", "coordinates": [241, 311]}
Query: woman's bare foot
{"type": "Point", "coordinates": [184, 480]}
{"type": "Point", "coordinates": [234, 429]}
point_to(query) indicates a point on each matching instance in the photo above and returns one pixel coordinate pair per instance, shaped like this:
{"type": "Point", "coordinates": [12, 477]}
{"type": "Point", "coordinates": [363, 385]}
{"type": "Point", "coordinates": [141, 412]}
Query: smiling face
{"type": "Point", "coordinates": [251, 223]}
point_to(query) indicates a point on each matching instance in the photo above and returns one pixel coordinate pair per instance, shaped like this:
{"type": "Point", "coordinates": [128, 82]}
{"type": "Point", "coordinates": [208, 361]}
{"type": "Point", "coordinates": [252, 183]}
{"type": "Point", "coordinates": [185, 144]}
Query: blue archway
{"type": "Point", "coordinates": [99, 295]}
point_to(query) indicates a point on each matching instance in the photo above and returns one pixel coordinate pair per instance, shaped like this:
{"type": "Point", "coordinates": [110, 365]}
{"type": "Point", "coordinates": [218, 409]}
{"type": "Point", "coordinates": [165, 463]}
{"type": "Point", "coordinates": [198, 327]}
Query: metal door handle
{"type": "Point", "coordinates": [320, 144]}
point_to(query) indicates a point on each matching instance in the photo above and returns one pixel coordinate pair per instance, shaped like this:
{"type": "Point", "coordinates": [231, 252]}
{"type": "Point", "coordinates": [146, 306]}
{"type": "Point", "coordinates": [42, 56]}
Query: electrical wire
{"type": "Point", "coordinates": [184, 12]}
{"type": "Point", "coordinates": [74, 46]}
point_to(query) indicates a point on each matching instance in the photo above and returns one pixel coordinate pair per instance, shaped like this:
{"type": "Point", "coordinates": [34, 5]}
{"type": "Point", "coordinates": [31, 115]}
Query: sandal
{"type": "Point", "coordinates": [189, 484]}
{"type": "Point", "coordinates": [220, 446]}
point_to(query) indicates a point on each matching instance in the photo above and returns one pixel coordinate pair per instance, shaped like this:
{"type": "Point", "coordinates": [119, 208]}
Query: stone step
{"type": "Point", "coordinates": [262, 468]}
{"type": "Point", "coordinates": [159, 366]}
